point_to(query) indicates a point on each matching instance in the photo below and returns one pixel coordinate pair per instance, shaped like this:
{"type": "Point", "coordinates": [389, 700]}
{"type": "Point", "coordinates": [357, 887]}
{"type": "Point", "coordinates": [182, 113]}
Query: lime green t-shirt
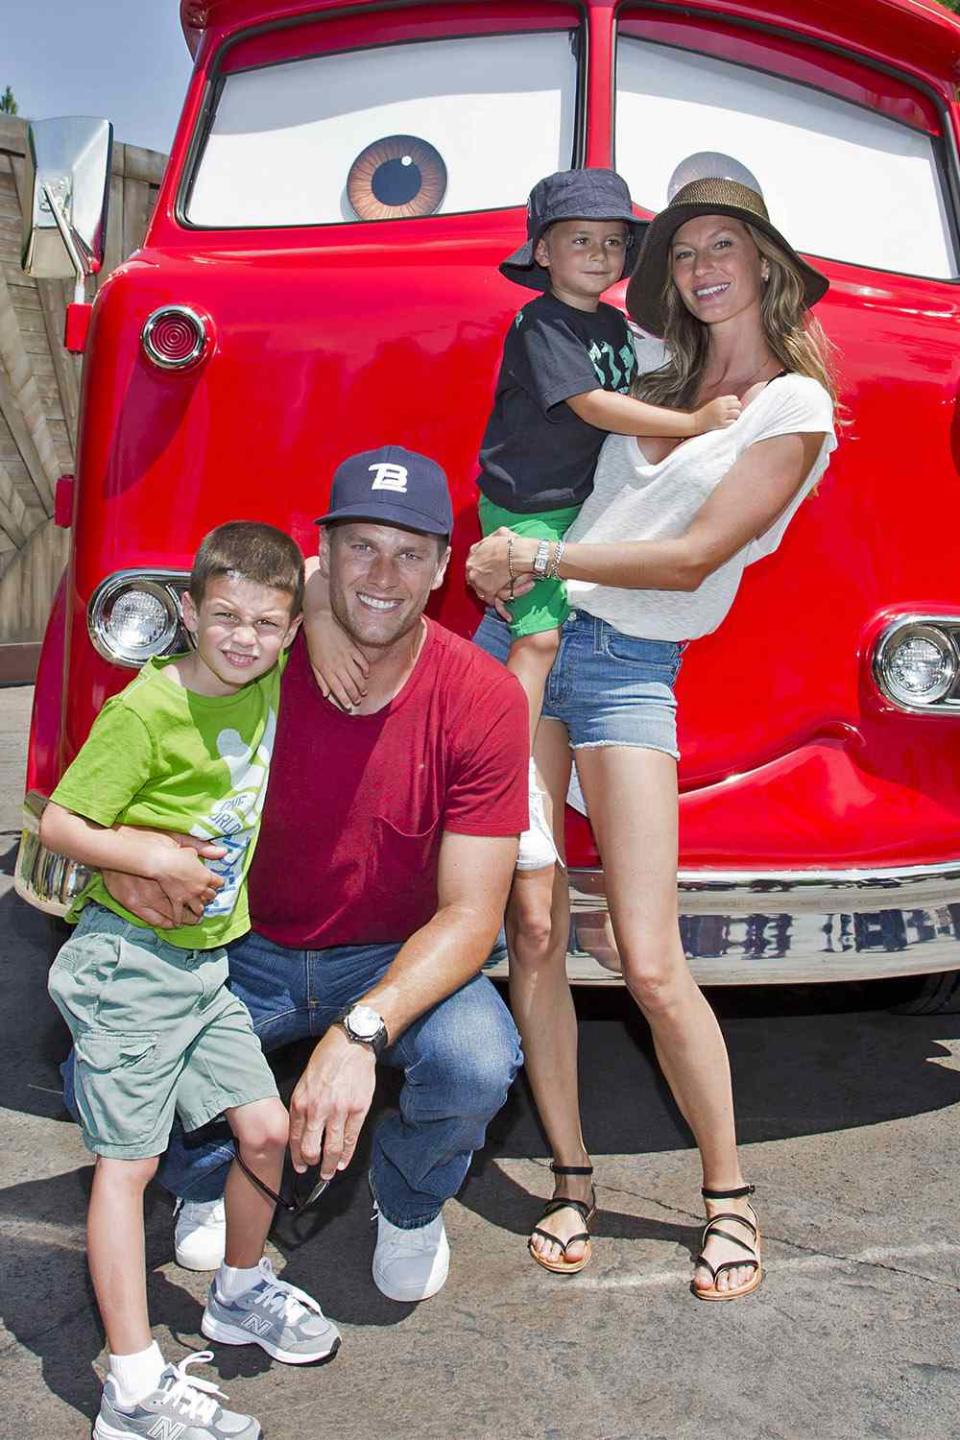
{"type": "Point", "coordinates": [163, 757]}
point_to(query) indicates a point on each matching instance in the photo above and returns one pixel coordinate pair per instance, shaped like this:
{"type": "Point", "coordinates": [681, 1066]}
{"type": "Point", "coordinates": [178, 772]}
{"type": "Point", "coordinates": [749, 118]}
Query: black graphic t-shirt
{"type": "Point", "coordinates": [536, 453]}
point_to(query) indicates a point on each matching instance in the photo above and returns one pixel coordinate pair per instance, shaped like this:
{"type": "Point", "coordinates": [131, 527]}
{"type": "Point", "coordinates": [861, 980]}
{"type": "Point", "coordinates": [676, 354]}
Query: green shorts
{"type": "Point", "coordinates": [545, 608]}
{"type": "Point", "coordinates": [155, 1031]}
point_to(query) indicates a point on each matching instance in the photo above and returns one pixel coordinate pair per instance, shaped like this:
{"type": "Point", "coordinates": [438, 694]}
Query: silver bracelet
{"type": "Point", "coordinates": [553, 570]}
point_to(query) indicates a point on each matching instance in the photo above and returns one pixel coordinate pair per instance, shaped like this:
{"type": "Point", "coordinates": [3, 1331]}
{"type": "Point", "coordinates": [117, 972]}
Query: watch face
{"type": "Point", "coordinates": [364, 1022]}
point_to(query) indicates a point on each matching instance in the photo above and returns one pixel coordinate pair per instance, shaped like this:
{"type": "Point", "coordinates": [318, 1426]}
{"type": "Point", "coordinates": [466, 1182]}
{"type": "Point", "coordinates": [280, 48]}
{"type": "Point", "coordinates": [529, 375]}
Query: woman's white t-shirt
{"type": "Point", "coordinates": [633, 499]}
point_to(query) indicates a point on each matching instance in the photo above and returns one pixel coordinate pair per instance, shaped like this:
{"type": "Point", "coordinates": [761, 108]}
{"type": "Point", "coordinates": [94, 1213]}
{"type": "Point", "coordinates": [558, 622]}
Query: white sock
{"type": "Point", "coordinates": [135, 1376]}
{"type": "Point", "coordinates": [233, 1280]}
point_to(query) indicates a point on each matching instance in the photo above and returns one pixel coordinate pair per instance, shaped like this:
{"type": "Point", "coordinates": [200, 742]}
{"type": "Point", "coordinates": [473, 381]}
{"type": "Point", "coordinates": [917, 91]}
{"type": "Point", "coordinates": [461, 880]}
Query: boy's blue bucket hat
{"type": "Point", "coordinates": [570, 195]}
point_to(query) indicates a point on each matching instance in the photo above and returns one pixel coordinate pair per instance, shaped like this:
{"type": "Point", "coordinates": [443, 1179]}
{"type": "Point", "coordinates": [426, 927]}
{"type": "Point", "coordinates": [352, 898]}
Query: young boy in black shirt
{"type": "Point", "coordinates": [564, 383]}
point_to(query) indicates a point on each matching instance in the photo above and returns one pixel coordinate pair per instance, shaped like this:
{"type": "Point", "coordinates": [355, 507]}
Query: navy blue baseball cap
{"type": "Point", "coordinates": [571, 195]}
{"type": "Point", "coordinates": [391, 486]}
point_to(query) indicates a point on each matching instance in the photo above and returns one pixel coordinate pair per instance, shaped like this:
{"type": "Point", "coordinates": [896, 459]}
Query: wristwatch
{"type": "Point", "coordinates": [541, 559]}
{"type": "Point", "coordinates": [362, 1025]}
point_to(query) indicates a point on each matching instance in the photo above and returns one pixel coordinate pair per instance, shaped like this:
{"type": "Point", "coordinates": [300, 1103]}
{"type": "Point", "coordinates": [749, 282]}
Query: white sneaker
{"type": "Point", "coordinates": [537, 849]}
{"type": "Point", "coordinates": [410, 1264]}
{"type": "Point", "coordinates": [200, 1236]}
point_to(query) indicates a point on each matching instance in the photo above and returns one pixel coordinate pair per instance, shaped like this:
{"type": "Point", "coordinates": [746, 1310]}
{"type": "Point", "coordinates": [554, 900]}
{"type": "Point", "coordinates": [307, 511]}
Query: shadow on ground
{"type": "Point", "coordinates": [804, 1061]}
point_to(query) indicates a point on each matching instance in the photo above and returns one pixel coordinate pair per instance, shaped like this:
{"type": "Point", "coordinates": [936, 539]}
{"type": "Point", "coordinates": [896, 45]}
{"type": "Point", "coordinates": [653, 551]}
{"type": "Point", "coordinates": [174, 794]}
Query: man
{"type": "Point", "coordinates": [386, 852]}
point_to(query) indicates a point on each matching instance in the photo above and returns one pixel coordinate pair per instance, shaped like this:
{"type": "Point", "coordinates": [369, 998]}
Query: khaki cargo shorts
{"type": "Point", "coordinates": [156, 1032]}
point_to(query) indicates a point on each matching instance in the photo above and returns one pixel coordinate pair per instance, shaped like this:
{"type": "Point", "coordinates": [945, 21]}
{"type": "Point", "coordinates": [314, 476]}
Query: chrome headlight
{"type": "Point", "coordinates": [917, 663]}
{"type": "Point", "coordinates": [133, 616]}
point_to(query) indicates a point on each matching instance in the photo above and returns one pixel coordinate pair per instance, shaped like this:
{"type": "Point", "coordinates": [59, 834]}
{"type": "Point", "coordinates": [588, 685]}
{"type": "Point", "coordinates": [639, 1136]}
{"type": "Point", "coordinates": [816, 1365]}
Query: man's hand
{"type": "Point", "coordinates": [330, 1104]}
{"type": "Point", "coordinates": [146, 899]}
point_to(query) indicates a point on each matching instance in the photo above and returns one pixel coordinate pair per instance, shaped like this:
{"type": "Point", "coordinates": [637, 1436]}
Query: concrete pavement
{"type": "Point", "coordinates": [849, 1120]}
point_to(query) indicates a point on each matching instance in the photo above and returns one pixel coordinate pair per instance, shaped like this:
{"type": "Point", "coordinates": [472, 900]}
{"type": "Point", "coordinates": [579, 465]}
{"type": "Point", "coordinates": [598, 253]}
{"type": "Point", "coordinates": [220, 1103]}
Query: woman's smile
{"type": "Point", "coordinates": [716, 267]}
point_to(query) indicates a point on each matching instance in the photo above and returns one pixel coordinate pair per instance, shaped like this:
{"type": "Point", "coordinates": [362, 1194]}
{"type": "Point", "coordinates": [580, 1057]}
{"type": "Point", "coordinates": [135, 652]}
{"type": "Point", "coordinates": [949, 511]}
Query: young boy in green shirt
{"type": "Point", "coordinates": [186, 748]}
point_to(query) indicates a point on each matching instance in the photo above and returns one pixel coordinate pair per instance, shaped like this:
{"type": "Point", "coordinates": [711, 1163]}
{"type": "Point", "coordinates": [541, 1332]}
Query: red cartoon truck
{"type": "Point", "coordinates": [320, 277]}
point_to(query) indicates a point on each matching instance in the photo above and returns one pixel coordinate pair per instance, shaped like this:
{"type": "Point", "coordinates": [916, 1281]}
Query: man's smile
{"type": "Point", "coordinates": [375, 602]}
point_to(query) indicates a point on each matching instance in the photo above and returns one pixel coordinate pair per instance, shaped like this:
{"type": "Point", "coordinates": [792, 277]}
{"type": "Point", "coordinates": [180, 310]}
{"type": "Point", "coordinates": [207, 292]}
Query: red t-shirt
{"type": "Point", "coordinates": [357, 804]}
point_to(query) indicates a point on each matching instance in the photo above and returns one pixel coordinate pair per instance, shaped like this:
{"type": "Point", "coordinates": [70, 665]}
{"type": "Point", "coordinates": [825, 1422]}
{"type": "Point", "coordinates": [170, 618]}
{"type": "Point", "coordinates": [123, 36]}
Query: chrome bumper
{"type": "Point", "coordinates": [738, 928]}
{"type": "Point", "coordinates": [45, 880]}
{"type": "Point", "coordinates": [794, 926]}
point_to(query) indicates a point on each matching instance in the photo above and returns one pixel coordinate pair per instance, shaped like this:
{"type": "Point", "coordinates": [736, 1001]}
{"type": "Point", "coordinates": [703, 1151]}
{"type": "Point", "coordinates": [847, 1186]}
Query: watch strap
{"type": "Point", "coordinates": [377, 1042]}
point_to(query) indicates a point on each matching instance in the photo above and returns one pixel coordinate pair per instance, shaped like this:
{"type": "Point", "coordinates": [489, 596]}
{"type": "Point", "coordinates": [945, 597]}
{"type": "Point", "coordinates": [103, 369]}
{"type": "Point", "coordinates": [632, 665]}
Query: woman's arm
{"type": "Point", "coordinates": [623, 415]}
{"type": "Point", "coordinates": [746, 502]}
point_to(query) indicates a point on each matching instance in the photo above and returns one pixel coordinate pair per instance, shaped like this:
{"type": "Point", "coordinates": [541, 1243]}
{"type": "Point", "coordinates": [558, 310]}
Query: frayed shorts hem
{"type": "Point", "coordinates": [623, 745]}
{"type": "Point", "coordinates": [605, 688]}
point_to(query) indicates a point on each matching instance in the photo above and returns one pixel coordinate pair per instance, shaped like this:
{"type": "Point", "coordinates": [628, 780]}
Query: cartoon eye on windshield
{"type": "Point", "coordinates": [395, 178]}
{"type": "Point", "coordinates": [433, 127]}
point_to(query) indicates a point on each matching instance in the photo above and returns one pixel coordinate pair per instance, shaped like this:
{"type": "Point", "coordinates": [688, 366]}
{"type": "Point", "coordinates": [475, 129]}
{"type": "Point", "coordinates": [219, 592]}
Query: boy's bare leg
{"type": "Point", "coordinates": [287, 1323]}
{"type": "Point", "coordinates": [261, 1130]}
{"type": "Point", "coordinates": [530, 659]}
{"type": "Point", "coordinates": [116, 1251]}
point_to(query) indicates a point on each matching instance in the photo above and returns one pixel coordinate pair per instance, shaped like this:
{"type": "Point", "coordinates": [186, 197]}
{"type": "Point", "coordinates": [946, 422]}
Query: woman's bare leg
{"type": "Point", "coordinates": [538, 920]}
{"type": "Point", "coordinates": [637, 839]}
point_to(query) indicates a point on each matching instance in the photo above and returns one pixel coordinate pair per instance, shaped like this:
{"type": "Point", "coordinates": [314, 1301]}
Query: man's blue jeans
{"type": "Point", "coordinates": [458, 1059]}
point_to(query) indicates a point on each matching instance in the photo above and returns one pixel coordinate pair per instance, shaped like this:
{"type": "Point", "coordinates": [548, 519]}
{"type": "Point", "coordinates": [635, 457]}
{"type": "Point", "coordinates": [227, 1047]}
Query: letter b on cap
{"type": "Point", "coordinates": [387, 476]}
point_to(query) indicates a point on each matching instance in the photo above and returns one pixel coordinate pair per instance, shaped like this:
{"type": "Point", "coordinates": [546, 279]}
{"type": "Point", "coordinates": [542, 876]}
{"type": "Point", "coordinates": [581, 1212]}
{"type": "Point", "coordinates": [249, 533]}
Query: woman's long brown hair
{"type": "Point", "coordinates": [792, 332]}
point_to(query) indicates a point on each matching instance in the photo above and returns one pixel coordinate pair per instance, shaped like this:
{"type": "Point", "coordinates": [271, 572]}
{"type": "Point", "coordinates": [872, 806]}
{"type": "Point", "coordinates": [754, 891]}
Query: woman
{"type": "Point", "coordinates": [731, 298]}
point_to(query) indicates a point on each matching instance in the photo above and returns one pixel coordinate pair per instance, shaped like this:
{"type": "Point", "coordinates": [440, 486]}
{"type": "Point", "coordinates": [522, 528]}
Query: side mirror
{"type": "Point", "coordinates": [66, 197]}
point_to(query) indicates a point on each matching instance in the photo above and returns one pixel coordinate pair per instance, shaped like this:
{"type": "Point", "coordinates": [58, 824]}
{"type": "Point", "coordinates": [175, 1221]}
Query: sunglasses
{"type": "Point", "coordinates": [303, 1197]}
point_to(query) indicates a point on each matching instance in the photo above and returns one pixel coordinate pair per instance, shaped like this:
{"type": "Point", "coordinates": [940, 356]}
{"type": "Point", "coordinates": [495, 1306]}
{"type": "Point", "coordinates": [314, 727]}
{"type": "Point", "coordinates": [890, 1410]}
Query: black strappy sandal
{"type": "Point", "coordinates": [584, 1210]}
{"type": "Point", "coordinates": [751, 1257]}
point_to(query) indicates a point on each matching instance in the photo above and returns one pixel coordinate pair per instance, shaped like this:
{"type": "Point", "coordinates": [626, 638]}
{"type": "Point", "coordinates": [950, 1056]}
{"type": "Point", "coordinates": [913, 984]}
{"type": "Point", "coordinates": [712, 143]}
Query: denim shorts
{"type": "Point", "coordinates": [607, 688]}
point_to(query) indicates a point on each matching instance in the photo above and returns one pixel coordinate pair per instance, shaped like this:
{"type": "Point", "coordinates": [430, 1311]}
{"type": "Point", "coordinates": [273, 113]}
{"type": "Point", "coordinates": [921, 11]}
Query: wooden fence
{"type": "Point", "coordinates": [39, 393]}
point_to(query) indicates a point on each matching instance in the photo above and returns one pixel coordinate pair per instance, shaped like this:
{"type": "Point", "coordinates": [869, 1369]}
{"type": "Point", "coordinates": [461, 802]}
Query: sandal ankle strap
{"type": "Point", "coordinates": [743, 1191]}
{"type": "Point", "coordinates": [570, 1169]}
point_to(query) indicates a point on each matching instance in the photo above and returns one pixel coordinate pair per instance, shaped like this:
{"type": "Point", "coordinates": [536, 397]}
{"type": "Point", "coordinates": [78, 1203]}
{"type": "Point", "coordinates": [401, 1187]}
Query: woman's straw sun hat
{"type": "Point", "coordinates": [707, 183]}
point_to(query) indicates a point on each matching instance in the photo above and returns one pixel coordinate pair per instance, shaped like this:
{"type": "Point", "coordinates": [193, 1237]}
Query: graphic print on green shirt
{"type": "Point", "coordinates": [163, 757]}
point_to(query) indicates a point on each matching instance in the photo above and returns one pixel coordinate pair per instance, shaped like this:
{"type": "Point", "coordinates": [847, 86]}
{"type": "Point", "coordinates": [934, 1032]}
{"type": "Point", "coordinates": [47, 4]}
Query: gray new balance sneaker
{"type": "Point", "coordinates": [285, 1321]}
{"type": "Point", "coordinates": [181, 1406]}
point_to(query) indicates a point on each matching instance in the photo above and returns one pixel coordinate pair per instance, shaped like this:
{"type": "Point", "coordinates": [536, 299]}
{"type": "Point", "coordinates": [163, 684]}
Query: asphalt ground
{"type": "Point", "coordinates": [848, 1116]}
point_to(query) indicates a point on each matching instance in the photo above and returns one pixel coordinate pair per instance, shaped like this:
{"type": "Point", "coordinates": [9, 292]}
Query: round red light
{"type": "Point", "coordinates": [174, 337]}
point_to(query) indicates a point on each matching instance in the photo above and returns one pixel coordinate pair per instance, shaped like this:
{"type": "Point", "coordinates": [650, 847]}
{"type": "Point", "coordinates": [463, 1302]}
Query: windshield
{"type": "Point", "coordinates": [395, 131]}
{"type": "Point", "coordinates": [839, 180]}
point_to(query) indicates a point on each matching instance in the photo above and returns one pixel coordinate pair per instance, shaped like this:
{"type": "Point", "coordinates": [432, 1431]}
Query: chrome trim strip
{"type": "Point", "coordinates": [852, 890]}
{"type": "Point", "coordinates": [48, 881]}
{"type": "Point", "coordinates": [737, 928]}
{"type": "Point", "coordinates": [946, 704]}
{"type": "Point", "coordinates": [779, 927]}
{"type": "Point", "coordinates": [201, 337]}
